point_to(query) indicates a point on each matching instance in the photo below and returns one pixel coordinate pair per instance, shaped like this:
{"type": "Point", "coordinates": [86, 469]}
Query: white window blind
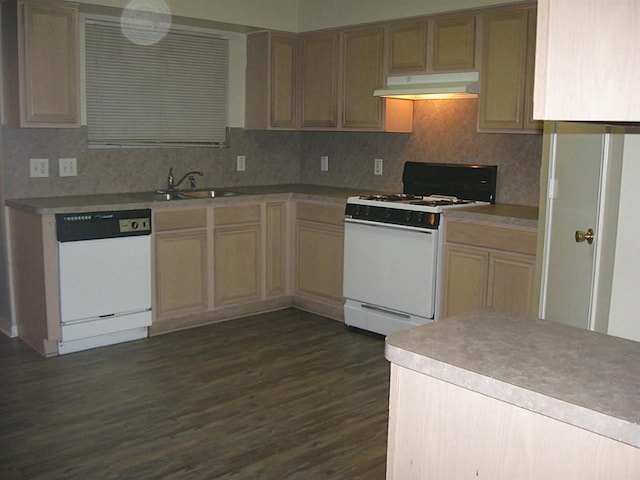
{"type": "Point", "coordinates": [174, 92]}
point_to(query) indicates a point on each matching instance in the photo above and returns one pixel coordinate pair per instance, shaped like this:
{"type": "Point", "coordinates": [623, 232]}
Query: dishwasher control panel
{"type": "Point", "coordinates": [135, 225]}
{"type": "Point", "coordinates": [72, 227]}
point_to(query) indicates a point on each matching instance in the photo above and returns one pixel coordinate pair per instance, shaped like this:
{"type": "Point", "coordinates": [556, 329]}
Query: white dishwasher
{"type": "Point", "coordinates": [105, 277]}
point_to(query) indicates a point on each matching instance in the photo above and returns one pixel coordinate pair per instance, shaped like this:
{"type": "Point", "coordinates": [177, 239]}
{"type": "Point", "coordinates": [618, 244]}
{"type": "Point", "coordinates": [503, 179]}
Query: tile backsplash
{"type": "Point", "coordinates": [445, 131]}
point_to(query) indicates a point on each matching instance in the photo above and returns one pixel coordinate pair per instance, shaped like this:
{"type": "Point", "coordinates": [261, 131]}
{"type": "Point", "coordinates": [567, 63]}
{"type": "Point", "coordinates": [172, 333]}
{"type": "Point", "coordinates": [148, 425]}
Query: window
{"type": "Point", "coordinates": [174, 92]}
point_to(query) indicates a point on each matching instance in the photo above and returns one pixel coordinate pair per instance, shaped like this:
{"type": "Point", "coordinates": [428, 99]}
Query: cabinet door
{"type": "Point", "coordinates": [529, 122]}
{"type": "Point", "coordinates": [362, 74]}
{"type": "Point", "coordinates": [181, 273]}
{"type": "Point", "coordinates": [283, 78]}
{"type": "Point", "coordinates": [454, 43]}
{"type": "Point", "coordinates": [408, 48]}
{"type": "Point", "coordinates": [502, 85]}
{"type": "Point", "coordinates": [276, 248]}
{"type": "Point", "coordinates": [588, 61]}
{"type": "Point", "coordinates": [237, 265]}
{"type": "Point", "coordinates": [511, 280]}
{"type": "Point", "coordinates": [465, 280]}
{"type": "Point", "coordinates": [270, 88]}
{"type": "Point", "coordinates": [319, 259]}
{"type": "Point", "coordinates": [48, 65]}
{"type": "Point", "coordinates": [319, 82]}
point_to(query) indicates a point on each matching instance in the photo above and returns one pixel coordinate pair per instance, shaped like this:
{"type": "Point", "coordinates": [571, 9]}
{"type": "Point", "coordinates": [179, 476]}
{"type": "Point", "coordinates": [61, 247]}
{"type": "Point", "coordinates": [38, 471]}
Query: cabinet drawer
{"type": "Point", "coordinates": [179, 219]}
{"type": "Point", "coordinates": [492, 236]}
{"type": "Point", "coordinates": [318, 212]}
{"type": "Point", "coordinates": [236, 214]}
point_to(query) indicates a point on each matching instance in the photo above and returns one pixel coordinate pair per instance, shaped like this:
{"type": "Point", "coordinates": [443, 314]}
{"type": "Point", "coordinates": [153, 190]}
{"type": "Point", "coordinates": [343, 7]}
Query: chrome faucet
{"type": "Point", "coordinates": [172, 184]}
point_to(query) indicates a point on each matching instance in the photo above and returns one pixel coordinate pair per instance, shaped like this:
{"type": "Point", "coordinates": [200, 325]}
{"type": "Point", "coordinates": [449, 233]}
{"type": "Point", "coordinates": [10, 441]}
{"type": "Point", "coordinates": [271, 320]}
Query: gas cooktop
{"type": "Point", "coordinates": [410, 199]}
{"type": "Point", "coordinates": [429, 189]}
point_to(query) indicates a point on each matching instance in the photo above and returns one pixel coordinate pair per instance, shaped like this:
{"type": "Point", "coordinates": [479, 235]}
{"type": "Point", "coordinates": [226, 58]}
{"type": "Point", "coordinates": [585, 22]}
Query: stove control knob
{"type": "Point", "coordinates": [357, 211]}
{"type": "Point", "coordinates": [134, 225]}
{"type": "Point", "coordinates": [366, 210]}
{"type": "Point", "coordinates": [387, 213]}
{"type": "Point", "coordinates": [420, 217]}
{"type": "Point", "coordinates": [408, 216]}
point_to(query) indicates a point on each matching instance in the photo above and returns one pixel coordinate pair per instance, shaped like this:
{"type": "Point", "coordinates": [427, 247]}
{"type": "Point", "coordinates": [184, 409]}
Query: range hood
{"type": "Point", "coordinates": [437, 85]}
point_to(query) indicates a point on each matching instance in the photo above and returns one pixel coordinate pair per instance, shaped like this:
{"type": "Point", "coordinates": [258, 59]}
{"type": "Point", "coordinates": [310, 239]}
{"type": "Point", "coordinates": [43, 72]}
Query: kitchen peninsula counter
{"type": "Point", "coordinates": [554, 389]}
{"type": "Point", "coordinates": [132, 200]}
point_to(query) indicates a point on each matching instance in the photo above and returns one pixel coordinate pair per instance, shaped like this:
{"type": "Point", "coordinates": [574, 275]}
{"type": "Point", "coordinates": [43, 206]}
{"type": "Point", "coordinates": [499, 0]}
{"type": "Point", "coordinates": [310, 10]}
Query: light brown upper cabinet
{"type": "Point", "coordinates": [440, 44]}
{"type": "Point", "coordinates": [408, 48]}
{"type": "Point", "coordinates": [319, 80]}
{"type": "Point", "coordinates": [340, 69]}
{"type": "Point", "coordinates": [454, 42]}
{"type": "Point", "coordinates": [588, 61]}
{"type": "Point", "coordinates": [362, 72]}
{"type": "Point", "coordinates": [506, 78]}
{"type": "Point", "coordinates": [271, 81]}
{"type": "Point", "coordinates": [42, 76]}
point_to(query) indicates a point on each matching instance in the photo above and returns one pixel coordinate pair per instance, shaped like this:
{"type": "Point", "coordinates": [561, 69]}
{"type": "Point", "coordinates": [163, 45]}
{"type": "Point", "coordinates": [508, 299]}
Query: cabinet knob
{"type": "Point", "coordinates": [582, 236]}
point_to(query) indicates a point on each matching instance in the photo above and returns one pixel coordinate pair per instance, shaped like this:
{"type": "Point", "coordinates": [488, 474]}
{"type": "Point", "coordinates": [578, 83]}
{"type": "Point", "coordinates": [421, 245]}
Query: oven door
{"type": "Point", "coordinates": [390, 267]}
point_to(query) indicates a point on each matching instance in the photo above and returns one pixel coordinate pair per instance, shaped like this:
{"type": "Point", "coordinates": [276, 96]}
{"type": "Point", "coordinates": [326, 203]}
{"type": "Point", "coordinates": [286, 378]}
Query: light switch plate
{"type": "Point", "coordinates": [241, 163]}
{"type": "Point", "coordinates": [67, 167]}
{"type": "Point", "coordinates": [377, 166]}
{"type": "Point", "coordinates": [324, 163]}
{"type": "Point", "coordinates": [38, 167]}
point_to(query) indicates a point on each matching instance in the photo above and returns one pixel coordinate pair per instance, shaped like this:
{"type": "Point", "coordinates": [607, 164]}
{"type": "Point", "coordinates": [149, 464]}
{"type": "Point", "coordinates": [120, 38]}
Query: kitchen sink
{"type": "Point", "coordinates": [187, 194]}
{"type": "Point", "coordinates": [207, 193]}
{"type": "Point", "coordinates": [165, 195]}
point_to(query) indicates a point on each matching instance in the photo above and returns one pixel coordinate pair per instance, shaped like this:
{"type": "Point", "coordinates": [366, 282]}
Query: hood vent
{"type": "Point", "coordinates": [437, 85]}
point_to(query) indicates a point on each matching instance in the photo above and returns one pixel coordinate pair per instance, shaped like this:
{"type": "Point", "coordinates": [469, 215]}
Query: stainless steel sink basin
{"type": "Point", "coordinates": [207, 193]}
{"type": "Point", "coordinates": [187, 194]}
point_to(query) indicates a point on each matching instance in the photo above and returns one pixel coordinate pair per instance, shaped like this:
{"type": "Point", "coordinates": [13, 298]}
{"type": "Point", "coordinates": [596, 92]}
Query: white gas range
{"type": "Point", "coordinates": [392, 245]}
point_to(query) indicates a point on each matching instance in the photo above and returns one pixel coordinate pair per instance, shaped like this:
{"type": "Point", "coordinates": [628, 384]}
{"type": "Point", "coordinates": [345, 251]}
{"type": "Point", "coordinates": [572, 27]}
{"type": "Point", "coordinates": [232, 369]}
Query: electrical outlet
{"type": "Point", "coordinates": [39, 167]}
{"type": "Point", "coordinates": [324, 163]}
{"type": "Point", "coordinates": [377, 166]}
{"type": "Point", "coordinates": [241, 163]}
{"type": "Point", "coordinates": [68, 167]}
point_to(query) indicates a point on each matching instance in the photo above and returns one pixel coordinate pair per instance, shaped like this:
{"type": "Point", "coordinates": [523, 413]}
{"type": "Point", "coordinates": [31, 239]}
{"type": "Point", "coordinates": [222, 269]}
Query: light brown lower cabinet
{"type": "Point", "coordinates": [181, 262]}
{"type": "Point", "coordinates": [276, 246]}
{"type": "Point", "coordinates": [488, 266]}
{"type": "Point", "coordinates": [441, 430]}
{"type": "Point", "coordinates": [319, 251]}
{"type": "Point", "coordinates": [237, 256]}
{"type": "Point", "coordinates": [217, 262]}
{"type": "Point", "coordinates": [465, 279]}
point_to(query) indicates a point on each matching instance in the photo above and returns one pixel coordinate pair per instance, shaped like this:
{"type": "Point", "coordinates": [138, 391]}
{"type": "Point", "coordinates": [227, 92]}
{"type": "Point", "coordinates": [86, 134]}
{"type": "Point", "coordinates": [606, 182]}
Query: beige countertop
{"type": "Point", "coordinates": [582, 378]}
{"type": "Point", "coordinates": [502, 213]}
{"type": "Point", "coordinates": [123, 201]}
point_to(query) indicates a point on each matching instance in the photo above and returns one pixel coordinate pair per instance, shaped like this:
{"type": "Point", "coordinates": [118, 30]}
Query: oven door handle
{"type": "Point", "coordinates": [393, 226]}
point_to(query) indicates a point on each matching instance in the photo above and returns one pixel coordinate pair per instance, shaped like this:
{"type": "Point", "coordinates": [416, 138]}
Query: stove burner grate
{"type": "Point", "coordinates": [392, 197]}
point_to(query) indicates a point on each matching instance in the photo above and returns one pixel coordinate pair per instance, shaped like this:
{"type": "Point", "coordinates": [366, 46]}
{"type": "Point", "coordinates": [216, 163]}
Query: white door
{"type": "Point", "coordinates": [582, 183]}
{"type": "Point", "coordinates": [625, 298]}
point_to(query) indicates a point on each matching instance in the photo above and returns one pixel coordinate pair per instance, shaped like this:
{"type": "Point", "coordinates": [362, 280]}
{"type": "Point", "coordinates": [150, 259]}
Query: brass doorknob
{"type": "Point", "coordinates": [582, 236]}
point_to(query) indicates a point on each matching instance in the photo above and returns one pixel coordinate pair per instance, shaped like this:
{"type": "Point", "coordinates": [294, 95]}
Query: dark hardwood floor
{"type": "Point", "coordinates": [284, 395]}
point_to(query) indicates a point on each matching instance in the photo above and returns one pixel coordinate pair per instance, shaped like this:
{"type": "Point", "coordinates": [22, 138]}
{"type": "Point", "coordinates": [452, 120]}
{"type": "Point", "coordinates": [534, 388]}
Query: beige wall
{"type": "Point", "coordinates": [304, 15]}
{"type": "Point", "coordinates": [318, 14]}
{"type": "Point", "coordinates": [273, 14]}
